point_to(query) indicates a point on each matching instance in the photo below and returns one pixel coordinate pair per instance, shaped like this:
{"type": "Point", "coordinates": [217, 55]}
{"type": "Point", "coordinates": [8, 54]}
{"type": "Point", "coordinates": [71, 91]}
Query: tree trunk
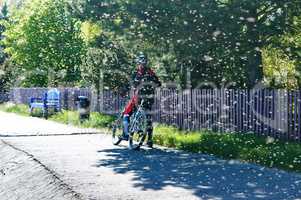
{"type": "Point", "coordinates": [254, 62]}
{"type": "Point", "coordinates": [254, 69]}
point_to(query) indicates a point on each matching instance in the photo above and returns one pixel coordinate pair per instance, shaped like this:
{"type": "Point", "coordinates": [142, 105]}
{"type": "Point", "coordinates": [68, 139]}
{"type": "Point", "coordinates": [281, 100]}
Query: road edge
{"type": "Point", "coordinates": [51, 172]}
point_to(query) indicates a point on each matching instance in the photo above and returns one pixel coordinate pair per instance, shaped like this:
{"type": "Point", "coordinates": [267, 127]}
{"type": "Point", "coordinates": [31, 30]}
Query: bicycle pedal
{"type": "Point", "coordinates": [124, 137]}
{"type": "Point", "coordinates": [136, 148]}
{"type": "Point", "coordinates": [150, 144]}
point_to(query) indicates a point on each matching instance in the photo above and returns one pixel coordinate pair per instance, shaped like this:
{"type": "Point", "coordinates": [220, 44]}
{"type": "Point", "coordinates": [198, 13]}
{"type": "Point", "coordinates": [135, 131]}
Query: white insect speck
{"type": "Point", "coordinates": [216, 33]}
{"type": "Point", "coordinates": [251, 19]}
{"type": "Point", "coordinates": [207, 58]}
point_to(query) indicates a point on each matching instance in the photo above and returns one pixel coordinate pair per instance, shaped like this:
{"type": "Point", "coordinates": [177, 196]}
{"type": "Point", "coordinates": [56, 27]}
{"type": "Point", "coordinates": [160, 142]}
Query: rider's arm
{"type": "Point", "coordinates": [124, 90]}
{"type": "Point", "coordinates": [155, 78]}
{"type": "Point", "coordinates": [136, 80]}
{"type": "Point", "coordinates": [157, 81]}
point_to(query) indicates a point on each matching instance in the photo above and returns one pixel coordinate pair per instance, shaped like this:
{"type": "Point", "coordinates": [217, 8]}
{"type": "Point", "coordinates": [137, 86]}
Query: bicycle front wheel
{"type": "Point", "coordinates": [136, 139]}
{"type": "Point", "coordinates": [137, 130]}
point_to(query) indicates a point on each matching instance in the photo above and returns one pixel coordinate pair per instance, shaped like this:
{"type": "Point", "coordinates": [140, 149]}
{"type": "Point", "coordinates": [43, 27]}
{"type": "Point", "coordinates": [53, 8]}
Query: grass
{"type": "Point", "coordinates": [246, 147]}
{"type": "Point", "coordinates": [97, 120]}
{"type": "Point", "coordinates": [12, 108]}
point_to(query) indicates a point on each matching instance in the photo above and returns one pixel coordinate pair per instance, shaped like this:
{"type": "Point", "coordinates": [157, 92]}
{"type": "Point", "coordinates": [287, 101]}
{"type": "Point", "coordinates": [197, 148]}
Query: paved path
{"type": "Point", "coordinates": [94, 169]}
{"type": "Point", "coordinates": [23, 178]}
{"type": "Point", "coordinates": [14, 125]}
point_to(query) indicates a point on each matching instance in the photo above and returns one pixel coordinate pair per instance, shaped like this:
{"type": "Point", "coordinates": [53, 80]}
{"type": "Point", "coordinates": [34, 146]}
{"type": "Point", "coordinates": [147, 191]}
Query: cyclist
{"type": "Point", "coordinates": [144, 84]}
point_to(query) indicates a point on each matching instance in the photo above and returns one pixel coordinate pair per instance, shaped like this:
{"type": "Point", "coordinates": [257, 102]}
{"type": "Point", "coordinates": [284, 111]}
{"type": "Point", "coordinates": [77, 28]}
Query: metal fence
{"type": "Point", "coordinates": [275, 113]}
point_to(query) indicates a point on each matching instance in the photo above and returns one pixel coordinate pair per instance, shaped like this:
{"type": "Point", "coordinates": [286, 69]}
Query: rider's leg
{"type": "Point", "coordinates": [126, 115]}
{"type": "Point", "coordinates": [149, 124]}
{"type": "Point", "coordinates": [126, 122]}
{"type": "Point", "coordinates": [149, 130]}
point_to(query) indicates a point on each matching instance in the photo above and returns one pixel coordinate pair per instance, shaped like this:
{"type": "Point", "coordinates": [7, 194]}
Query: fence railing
{"type": "Point", "coordinates": [275, 113]}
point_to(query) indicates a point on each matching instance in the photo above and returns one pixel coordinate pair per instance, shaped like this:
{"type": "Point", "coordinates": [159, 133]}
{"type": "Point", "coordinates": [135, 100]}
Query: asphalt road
{"type": "Point", "coordinates": [66, 166]}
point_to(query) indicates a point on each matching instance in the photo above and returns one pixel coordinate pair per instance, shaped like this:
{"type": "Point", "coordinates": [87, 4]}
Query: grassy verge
{"type": "Point", "coordinates": [97, 120]}
{"type": "Point", "coordinates": [12, 108]}
{"type": "Point", "coordinates": [245, 147]}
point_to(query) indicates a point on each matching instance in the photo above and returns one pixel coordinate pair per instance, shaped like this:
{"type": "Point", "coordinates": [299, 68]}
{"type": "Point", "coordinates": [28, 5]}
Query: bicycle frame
{"type": "Point", "coordinates": [137, 126]}
{"type": "Point", "coordinates": [138, 118]}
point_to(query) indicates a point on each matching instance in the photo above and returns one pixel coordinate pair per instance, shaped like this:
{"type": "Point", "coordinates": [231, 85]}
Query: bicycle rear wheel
{"type": "Point", "coordinates": [117, 131]}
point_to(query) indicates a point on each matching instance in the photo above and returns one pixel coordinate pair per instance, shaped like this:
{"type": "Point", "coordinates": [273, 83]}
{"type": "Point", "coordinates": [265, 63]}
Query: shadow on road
{"type": "Point", "coordinates": [206, 176]}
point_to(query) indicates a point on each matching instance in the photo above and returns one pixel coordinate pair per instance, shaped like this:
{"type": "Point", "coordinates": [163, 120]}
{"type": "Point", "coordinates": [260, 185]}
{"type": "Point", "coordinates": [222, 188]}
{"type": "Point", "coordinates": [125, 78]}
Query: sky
{"type": "Point", "coordinates": [10, 2]}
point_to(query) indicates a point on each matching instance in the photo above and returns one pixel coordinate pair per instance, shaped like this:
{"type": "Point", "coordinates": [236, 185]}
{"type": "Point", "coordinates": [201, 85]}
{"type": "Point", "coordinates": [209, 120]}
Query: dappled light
{"type": "Point", "coordinates": [206, 176]}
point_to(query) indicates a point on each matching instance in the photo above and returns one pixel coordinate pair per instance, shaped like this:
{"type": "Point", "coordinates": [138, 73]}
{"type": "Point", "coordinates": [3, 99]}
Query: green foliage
{"type": "Point", "coordinates": [90, 31]}
{"type": "Point", "coordinates": [282, 59]}
{"type": "Point", "coordinates": [44, 40]}
{"type": "Point", "coordinates": [280, 71]}
{"type": "Point", "coordinates": [218, 41]}
{"type": "Point", "coordinates": [106, 67]}
{"type": "Point", "coordinates": [5, 66]}
{"type": "Point", "coordinates": [8, 75]}
{"type": "Point", "coordinates": [106, 63]}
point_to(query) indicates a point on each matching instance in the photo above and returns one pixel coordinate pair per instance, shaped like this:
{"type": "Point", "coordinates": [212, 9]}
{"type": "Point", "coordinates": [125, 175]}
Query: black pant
{"type": "Point", "coordinates": [147, 106]}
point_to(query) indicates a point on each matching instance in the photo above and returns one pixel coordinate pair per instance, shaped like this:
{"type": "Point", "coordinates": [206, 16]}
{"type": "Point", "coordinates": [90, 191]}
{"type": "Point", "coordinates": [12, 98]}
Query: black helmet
{"type": "Point", "coordinates": [141, 59]}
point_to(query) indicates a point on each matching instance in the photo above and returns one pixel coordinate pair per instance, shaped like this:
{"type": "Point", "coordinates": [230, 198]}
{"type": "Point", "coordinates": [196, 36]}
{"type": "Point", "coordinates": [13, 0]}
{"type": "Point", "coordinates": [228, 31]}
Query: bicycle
{"type": "Point", "coordinates": [137, 129]}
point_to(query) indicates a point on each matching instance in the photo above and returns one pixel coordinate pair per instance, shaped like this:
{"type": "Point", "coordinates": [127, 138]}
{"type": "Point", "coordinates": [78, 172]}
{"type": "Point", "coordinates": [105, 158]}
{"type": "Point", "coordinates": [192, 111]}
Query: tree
{"type": "Point", "coordinates": [218, 41]}
{"type": "Point", "coordinates": [282, 58]}
{"type": "Point", "coordinates": [3, 20]}
{"type": "Point", "coordinates": [8, 75]}
{"type": "Point", "coordinates": [106, 64]}
{"type": "Point", "coordinates": [259, 22]}
{"type": "Point", "coordinates": [279, 69]}
{"type": "Point", "coordinates": [7, 72]}
{"type": "Point", "coordinates": [44, 40]}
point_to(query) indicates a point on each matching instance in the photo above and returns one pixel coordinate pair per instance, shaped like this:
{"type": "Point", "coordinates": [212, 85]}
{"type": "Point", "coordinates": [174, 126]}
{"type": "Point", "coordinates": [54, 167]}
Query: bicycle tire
{"type": "Point", "coordinates": [135, 144]}
{"type": "Point", "coordinates": [137, 134]}
{"type": "Point", "coordinates": [116, 131]}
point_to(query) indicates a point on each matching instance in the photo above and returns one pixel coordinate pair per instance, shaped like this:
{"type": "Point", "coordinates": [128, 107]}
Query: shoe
{"type": "Point", "coordinates": [125, 137]}
{"type": "Point", "coordinates": [150, 144]}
